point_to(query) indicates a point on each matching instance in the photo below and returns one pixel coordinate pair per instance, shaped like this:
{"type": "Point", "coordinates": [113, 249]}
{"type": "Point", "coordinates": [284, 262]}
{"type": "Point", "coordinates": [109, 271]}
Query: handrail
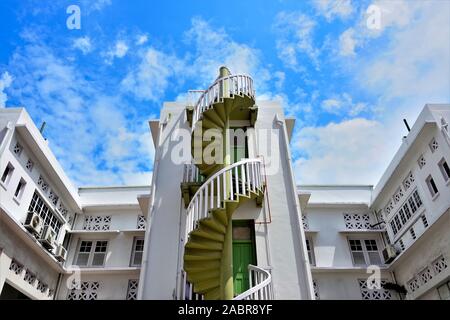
{"type": "Point", "coordinates": [223, 88]}
{"type": "Point", "coordinates": [260, 285]}
{"type": "Point", "coordinates": [243, 177]}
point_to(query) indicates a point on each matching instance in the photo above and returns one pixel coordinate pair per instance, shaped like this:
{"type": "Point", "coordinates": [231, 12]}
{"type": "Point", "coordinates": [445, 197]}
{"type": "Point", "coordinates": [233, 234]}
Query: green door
{"type": "Point", "coordinates": [239, 145]}
{"type": "Point", "coordinates": [244, 253]}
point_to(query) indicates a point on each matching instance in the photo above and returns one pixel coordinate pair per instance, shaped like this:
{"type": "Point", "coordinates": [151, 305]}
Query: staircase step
{"type": "Point", "coordinates": [204, 245]}
{"type": "Point", "coordinates": [214, 224]}
{"type": "Point", "coordinates": [197, 266]}
{"type": "Point", "coordinates": [203, 275]}
{"type": "Point", "coordinates": [220, 214]}
{"type": "Point", "coordinates": [208, 235]}
{"type": "Point", "coordinates": [202, 255]}
{"type": "Point", "coordinates": [206, 285]}
{"type": "Point", "coordinates": [213, 294]}
{"type": "Point", "coordinates": [211, 117]}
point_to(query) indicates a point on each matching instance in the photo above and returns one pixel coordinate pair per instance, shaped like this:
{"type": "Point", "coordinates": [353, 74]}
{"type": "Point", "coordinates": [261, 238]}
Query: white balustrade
{"type": "Point", "coordinates": [225, 87]}
{"type": "Point", "coordinates": [260, 285]}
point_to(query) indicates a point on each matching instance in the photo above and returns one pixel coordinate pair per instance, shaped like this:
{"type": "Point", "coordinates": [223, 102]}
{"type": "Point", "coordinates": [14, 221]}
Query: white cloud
{"type": "Point", "coordinates": [150, 79]}
{"type": "Point", "coordinates": [141, 39]}
{"type": "Point", "coordinates": [347, 42]}
{"type": "Point", "coordinates": [355, 151]}
{"type": "Point", "coordinates": [83, 44]}
{"type": "Point", "coordinates": [93, 133]}
{"type": "Point", "coordinates": [343, 105]}
{"type": "Point", "coordinates": [5, 81]}
{"type": "Point", "coordinates": [214, 48]}
{"type": "Point", "coordinates": [119, 50]}
{"type": "Point", "coordinates": [333, 8]}
{"type": "Point", "coordinates": [295, 37]}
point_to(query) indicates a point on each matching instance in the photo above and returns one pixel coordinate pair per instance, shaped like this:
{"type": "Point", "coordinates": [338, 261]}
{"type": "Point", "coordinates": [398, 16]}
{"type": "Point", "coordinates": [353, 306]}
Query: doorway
{"type": "Point", "coordinates": [244, 253]}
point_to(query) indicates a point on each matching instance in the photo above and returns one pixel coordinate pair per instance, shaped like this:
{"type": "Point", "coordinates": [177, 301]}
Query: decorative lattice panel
{"type": "Point", "coordinates": [316, 290]}
{"type": "Point", "coordinates": [434, 145]}
{"type": "Point", "coordinates": [132, 289]}
{"type": "Point", "coordinates": [41, 286]}
{"type": "Point", "coordinates": [86, 291]}
{"type": "Point", "coordinates": [413, 284]}
{"type": "Point", "coordinates": [141, 222]}
{"type": "Point", "coordinates": [357, 221]}
{"type": "Point", "coordinates": [409, 181]}
{"type": "Point", "coordinates": [43, 184]}
{"type": "Point", "coordinates": [371, 292]}
{"type": "Point", "coordinates": [53, 197]}
{"type": "Point", "coordinates": [439, 264]}
{"type": "Point", "coordinates": [421, 161]}
{"type": "Point", "coordinates": [305, 222]}
{"type": "Point", "coordinates": [30, 277]}
{"type": "Point", "coordinates": [16, 267]}
{"type": "Point", "coordinates": [29, 165]}
{"type": "Point", "coordinates": [17, 149]}
{"type": "Point", "coordinates": [398, 195]}
{"type": "Point", "coordinates": [426, 275]}
{"type": "Point", "coordinates": [97, 223]}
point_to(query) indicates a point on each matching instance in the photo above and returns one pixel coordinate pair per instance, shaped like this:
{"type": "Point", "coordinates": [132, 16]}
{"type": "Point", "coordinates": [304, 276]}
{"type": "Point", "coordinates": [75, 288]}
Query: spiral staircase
{"type": "Point", "coordinates": [207, 270]}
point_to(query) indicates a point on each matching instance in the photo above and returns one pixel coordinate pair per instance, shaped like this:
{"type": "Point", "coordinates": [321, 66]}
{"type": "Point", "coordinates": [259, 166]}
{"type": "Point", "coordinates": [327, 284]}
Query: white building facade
{"type": "Point", "coordinates": [235, 227]}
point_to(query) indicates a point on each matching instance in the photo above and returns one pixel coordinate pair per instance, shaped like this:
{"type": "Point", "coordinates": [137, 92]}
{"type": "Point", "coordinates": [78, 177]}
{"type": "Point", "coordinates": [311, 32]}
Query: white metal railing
{"type": "Point", "coordinates": [240, 178]}
{"type": "Point", "coordinates": [260, 285]}
{"type": "Point", "coordinates": [191, 173]}
{"type": "Point", "coordinates": [223, 88]}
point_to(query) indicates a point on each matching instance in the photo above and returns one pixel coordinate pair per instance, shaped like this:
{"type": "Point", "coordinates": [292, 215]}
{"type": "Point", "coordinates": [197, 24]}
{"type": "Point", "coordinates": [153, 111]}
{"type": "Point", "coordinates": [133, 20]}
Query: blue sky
{"type": "Point", "coordinates": [348, 85]}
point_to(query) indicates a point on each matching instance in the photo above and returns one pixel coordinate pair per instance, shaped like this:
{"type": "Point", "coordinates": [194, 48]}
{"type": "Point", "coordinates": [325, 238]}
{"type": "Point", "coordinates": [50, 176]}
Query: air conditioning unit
{"type": "Point", "coordinates": [389, 253]}
{"type": "Point", "coordinates": [33, 223]}
{"type": "Point", "coordinates": [48, 237]}
{"type": "Point", "coordinates": [60, 253]}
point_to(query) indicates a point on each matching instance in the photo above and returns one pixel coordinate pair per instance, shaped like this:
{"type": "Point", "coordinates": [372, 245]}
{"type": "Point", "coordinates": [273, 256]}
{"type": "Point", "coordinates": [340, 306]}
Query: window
{"type": "Point", "coordinates": [6, 176]}
{"type": "Point", "coordinates": [17, 149]}
{"type": "Point", "coordinates": [444, 291]}
{"type": "Point", "coordinates": [398, 195]}
{"type": "Point", "coordinates": [19, 190]}
{"type": "Point", "coordinates": [43, 184]}
{"type": "Point", "coordinates": [432, 186]}
{"type": "Point", "coordinates": [445, 169]}
{"type": "Point", "coordinates": [406, 212]}
{"type": "Point", "coordinates": [29, 165]}
{"type": "Point", "coordinates": [310, 250]}
{"type": "Point", "coordinates": [421, 161]}
{"type": "Point", "coordinates": [132, 289]}
{"type": "Point", "coordinates": [86, 291]}
{"type": "Point", "coordinates": [372, 251]}
{"type": "Point", "coordinates": [92, 253]}
{"type": "Point", "coordinates": [39, 206]}
{"type": "Point", "coordinates": [433, 145]}
{"type": "Point", "coordinates": [364, 252]}
{"type": "Point", "coordinates": [138, 249]}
